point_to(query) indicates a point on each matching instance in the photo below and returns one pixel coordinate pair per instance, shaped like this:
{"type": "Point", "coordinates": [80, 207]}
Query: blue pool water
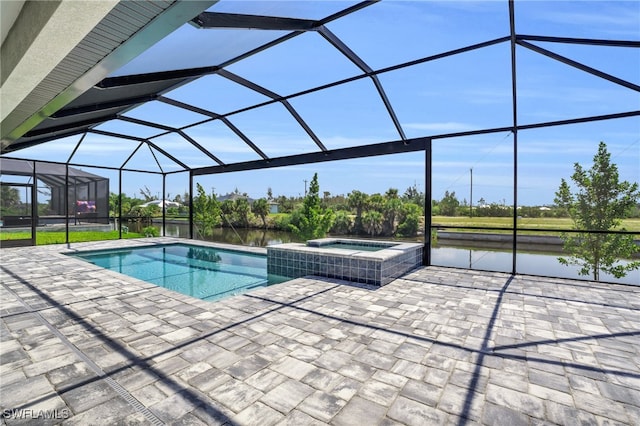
{"type": "Point", "coordinates": [203, 272]}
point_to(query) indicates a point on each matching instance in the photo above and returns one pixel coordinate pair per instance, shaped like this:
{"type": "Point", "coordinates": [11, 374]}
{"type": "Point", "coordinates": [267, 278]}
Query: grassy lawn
{"type": "Point", "coordinates": [506, 222]}
{"type": "Point", "coordinates": [43, 238]}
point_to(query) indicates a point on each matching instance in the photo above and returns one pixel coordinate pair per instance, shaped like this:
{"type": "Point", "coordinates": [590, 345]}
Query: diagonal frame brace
{"type": "Point", "coordinates": [215, 116]}
{"type": "Point", "coordinates": [135, 138]}
{"type": "Point", "coordinates": [578, 65]}
{"type": "Point", "coordinates": [200, 147]}
{"type": "Point", "coordinates": [268, 93]}
{"type": "Point", "coordinates": [353, 57]}
{"type": "Point", "coordinates": [155, 158]}
{"type": "Point", "coordinates": [170, 129]}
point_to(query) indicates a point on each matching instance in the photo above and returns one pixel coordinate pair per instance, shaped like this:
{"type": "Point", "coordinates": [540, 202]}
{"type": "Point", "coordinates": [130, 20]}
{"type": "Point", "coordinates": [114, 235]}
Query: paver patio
{"type": "Point", "coordinates": [439, 346]}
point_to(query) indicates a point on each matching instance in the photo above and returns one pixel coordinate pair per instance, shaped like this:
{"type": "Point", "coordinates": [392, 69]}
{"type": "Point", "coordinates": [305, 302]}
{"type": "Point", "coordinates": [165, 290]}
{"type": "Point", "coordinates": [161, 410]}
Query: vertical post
{"type": "Point", "coordinates": [66, 204]}
{"type": "Point", "coordinates": [120, 204]}
{"type": "Point", "coordinates": [514, 96]}
{"type": "Point", "coordinates": [426, 253]}
{"type": "Point", "coordinates": [164, 206]}
{"type": "Point", "coordinates": [471, 194]}
{"type": "Point", "coordinates": [34, 205]}
{"type": "Point", "coordinates": [75, 201]}
{"type": "Point", "coordinates": [190, 204]}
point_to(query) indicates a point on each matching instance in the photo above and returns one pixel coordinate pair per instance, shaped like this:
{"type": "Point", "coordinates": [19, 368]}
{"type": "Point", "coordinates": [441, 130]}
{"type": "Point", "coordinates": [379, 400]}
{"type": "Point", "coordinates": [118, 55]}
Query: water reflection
{"type": "Point", "coordinates": [528, 263]}
{"type": "Point", "coordinates": [244, 237]}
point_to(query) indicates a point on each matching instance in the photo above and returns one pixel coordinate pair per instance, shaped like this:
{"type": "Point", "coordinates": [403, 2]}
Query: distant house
{"type": "Point", "coordinates": [273, 206]}
{"type": "Point", "coordinates": [234, 196]}
{"type": "Point", "coordinates": [161, 203]}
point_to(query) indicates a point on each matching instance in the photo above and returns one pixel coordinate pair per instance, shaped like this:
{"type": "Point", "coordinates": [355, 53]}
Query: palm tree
{"type": "Point", "coordinates": [391, 208]}
{"type": "Point", "coordinates": [358, 200]}
{"type": "Point", "coordinates": [242, 209]}
{"type": "Point", "coordinates": [376, 202]}
{"type": "Point", "coordinates": [261, 208]}
{"type": "Point", "coordinates": [342, 223]}
{"type": "Point", "coordinates": [372, 221]}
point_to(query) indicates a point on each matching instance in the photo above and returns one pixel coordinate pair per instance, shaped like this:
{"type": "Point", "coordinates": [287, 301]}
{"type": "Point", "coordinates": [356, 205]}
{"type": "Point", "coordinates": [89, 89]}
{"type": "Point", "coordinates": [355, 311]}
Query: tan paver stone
{"type": "Point", "coordinates": [519, 401]}
{"type": "Point", "coordinates": [360, 411]}
{"type": "Point", "coordinates": [266, 379]}
{"type": "Point", "coordinates": [258, 413]}
{"type": "Point", "coordinates": [180, 335]}
{"type": "Point", "coordinates": [209, 380]}
{"type": "Point", "coordinates": [49, 364]}
{"type": "Point", "coordinates": [378, 392]}
{"type": "Point", "coordinates": [286, 396]}
{"type": "Point", "coordinates": [149, 395]}
{"type": "Point", "coordinates": [395, 380]}
{"type": "Point", "coordinates": [107, 413]}
{"type": "Point", "coordinates": [297, 418]}
{"type": "Point", "coordinates": [322, 406]}
{"type": "Point", "coordinates": [293, 368]}
{"type": "Point", "coordinates": [247, 366]}
{"type": "Point", "coordinates": [177, 405]}
{"type": "Point", "coordinates": [235, 394]}
{"type": "Point", "coordinates": [413, 413]}
{"type": "Point", "coordinates": [18, 393]}
{"type": "Point", "coordinates": [422, 392]}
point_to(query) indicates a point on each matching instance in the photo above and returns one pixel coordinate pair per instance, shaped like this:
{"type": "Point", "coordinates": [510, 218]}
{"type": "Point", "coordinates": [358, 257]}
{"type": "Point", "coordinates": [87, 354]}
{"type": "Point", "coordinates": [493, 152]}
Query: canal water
{"type": "Point", "coordinates": [536, 262]}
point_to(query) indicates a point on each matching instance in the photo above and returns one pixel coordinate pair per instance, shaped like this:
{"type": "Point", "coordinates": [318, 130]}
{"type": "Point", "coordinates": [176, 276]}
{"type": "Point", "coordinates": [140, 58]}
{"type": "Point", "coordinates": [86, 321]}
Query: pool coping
{"type": "Point", "coordinates": [156, 241]}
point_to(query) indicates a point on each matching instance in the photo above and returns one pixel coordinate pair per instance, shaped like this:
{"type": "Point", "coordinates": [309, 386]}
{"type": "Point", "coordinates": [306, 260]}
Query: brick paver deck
{"type": "Point", "coordinates": [440, 346]}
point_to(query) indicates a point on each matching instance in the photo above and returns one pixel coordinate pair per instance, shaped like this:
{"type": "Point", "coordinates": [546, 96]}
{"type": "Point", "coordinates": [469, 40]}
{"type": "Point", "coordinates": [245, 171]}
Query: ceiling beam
{"type": "Point", "coordinates": [386, 148]}
{"type": "Point", "coordinates": [90, 108]}
{"type": "Point", "coordinates": [208, 20]}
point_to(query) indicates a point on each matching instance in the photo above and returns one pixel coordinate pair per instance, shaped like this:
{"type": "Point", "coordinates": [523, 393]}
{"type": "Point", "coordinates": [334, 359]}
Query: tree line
{"type": "Point", "coordinates": [387, 215]}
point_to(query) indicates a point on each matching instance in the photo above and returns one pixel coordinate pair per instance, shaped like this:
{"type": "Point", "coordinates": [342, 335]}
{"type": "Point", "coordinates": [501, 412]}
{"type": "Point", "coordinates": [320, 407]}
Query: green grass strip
{"type": "Point", "coordinates": [44, 238]}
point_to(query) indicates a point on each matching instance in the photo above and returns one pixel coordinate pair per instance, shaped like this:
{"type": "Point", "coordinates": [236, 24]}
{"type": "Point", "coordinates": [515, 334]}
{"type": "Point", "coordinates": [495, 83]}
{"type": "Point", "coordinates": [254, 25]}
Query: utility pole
{"type": "Point", "coordinates": [471, 195]}
{"type": "Point", "coordinates": [305, 187]}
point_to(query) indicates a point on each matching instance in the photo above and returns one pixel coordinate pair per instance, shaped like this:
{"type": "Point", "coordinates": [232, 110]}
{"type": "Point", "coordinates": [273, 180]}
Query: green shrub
{"type": "Point", "coordinates": [282, 222]}
{"type": "Point", "coordinates": [409, 227]}
{"type": "Point", "coordinates": [314, 221]}
{"type": "Point", "coordinates": [150, 231]}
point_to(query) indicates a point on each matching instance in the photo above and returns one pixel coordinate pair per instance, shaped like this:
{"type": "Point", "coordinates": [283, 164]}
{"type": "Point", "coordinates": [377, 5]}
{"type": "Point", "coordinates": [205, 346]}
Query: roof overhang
{"type": "Point", "coordinates": [45, 69]}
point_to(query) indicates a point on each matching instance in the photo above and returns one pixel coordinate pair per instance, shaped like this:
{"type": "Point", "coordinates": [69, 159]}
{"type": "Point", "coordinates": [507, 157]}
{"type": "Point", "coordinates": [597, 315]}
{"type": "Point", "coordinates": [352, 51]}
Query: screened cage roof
{"type": "Point", "coordinates": [201, 98]}
{"type": "Point", "coordinates": [50, 174]}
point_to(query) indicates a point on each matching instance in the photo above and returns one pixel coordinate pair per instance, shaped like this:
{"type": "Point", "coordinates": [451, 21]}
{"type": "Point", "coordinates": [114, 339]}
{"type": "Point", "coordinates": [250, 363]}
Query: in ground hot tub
{"type": "Point", "coordinates": [363, 261]}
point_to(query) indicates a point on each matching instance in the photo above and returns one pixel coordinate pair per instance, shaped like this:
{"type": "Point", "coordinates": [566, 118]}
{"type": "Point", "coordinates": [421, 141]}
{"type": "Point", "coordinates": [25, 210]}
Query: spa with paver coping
{"type": "Point", "coordinates": [346, 259]}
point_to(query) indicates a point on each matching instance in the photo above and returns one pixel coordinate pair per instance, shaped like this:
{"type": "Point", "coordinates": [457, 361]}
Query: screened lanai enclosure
{"type": "Point", "coordinates": [48, 197]}
{"type": "Point", "coordinates": [485, 104]}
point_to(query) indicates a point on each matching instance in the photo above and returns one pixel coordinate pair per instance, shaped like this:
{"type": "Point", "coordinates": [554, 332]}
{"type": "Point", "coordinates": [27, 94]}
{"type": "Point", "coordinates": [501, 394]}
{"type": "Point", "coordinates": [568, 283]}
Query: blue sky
{"type": "Point", "coordinates": [468, 92]}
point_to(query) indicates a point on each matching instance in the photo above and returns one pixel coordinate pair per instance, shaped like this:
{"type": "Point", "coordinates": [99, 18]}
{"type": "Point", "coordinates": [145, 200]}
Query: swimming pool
{"type": "Point", "coordinates": [207, 273]}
